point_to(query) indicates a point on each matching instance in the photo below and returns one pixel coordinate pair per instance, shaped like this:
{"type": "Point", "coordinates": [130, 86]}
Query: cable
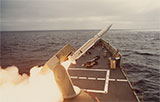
{"type": "Point", "coordinates": [92, 95]}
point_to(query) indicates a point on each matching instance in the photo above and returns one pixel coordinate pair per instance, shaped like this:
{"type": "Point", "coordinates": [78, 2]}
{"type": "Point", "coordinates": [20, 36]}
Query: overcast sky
{"type": "Point", "coordinates": [79, 14]}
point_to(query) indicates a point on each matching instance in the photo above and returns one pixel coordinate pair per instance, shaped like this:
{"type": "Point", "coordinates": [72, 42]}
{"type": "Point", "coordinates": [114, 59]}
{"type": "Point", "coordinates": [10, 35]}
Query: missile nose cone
{"type": "Point", "coordinates": [110, 26]}
{"type": "Point", "coordinates": [103, 31]}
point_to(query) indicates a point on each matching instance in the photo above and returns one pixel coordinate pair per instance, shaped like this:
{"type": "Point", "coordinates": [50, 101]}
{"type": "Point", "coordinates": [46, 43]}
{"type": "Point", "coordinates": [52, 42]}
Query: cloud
{"type": "Point", "coordinates": [79, 14]}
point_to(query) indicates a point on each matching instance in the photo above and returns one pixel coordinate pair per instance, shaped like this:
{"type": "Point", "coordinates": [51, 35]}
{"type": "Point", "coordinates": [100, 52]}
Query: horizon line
{"type": "Point", "coordinates": [149, 29]}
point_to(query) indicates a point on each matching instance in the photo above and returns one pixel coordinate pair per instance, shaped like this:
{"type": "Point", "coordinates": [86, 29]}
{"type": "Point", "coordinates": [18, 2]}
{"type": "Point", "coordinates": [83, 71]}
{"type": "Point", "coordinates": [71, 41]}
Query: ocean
{"type": "Point", "coordinates": [140, 52]}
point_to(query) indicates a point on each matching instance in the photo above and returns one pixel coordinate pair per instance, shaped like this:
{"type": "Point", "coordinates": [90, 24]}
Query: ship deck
{"type": "Point", "coordinates": [109, 85]}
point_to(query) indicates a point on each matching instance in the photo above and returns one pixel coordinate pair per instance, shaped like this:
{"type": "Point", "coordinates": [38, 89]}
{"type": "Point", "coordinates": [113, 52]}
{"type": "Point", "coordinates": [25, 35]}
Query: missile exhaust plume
{"type": "Point", "coordinates": [24, 88]}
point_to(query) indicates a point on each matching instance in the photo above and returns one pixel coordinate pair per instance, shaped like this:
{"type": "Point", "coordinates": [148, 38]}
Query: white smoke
{"type": "Point", "coordinates": [23, 88]}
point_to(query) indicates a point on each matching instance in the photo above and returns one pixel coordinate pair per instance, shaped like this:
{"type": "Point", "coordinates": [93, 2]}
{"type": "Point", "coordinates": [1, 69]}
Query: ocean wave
{"type": "Point", "coordinates": [146, 80]}
{"type": "Point", "coordinates": [156, 39]}
{"type": "Point", "coordinates": [40, 48]}
{"type": "Point", "coordinates": [145, 53]}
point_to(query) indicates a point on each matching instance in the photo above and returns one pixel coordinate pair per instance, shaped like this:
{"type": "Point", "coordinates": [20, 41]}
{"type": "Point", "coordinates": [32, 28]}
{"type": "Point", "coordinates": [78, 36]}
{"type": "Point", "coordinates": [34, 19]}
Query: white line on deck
{"type": "Point", "coordinates": [74, 77]}
{"type": "Point", "coordinates": [96, 91]}
{"type": "Point", "coordinates": [106, 82]}
{"type": "Point", "coordinates": [124, 80]}
{"type": "Point", "coordinates": [82, 77]}
{"type": "Point", "coordinates": [112, 79]}
{"type": "Point", "coordinates": [87, 69]}
{"type": "Point", "coordinates": [91, 78]}
{"type": "Point", "coordinates": [101, 79]}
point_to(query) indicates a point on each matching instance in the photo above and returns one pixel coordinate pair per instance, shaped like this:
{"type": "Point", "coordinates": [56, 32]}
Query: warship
{"type": "Point", "coordinates": [95, 74]}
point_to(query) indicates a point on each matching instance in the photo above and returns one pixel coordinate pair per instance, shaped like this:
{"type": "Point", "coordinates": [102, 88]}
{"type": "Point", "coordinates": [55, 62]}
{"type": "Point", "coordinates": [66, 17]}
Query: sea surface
{"type": "Point", "coordinates": [140, 51]}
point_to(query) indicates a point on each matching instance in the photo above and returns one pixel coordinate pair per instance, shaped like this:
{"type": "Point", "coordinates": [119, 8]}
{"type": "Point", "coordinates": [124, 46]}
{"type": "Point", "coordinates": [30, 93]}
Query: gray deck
{"type": "Point", "coordinates": [107, 84]}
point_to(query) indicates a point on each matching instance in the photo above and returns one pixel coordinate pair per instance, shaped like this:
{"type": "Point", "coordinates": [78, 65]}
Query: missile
{"type": "Point", "coordinates": [77, 54]}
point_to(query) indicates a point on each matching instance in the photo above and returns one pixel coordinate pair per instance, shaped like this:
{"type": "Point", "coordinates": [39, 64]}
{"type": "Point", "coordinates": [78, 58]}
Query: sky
{"type": "Point", "coordinates": [79, 14]}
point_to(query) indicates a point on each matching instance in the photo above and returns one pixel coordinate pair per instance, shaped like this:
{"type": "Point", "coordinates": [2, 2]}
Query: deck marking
{"type": "Point", "coordinates": [106, 82]}
{"type": "Point", "coordinates": [82, 77]}
{"type": "Point", "coordinates": [100, 78]}
{"type": "Point", "coordinates": [96, 91]}
{"type": "Point", "coordinates": [74, 77]}
{"type": "Point", "coordinates": [124, 80]}
{"type": "Point", "coordinates": [87, 69]}
{"type": "Point", "coordinates": [91, 78]}
{"type": "Point", "coordinates": [112, 79]}
{"type": "Point", "coordinates": [106, 79]}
